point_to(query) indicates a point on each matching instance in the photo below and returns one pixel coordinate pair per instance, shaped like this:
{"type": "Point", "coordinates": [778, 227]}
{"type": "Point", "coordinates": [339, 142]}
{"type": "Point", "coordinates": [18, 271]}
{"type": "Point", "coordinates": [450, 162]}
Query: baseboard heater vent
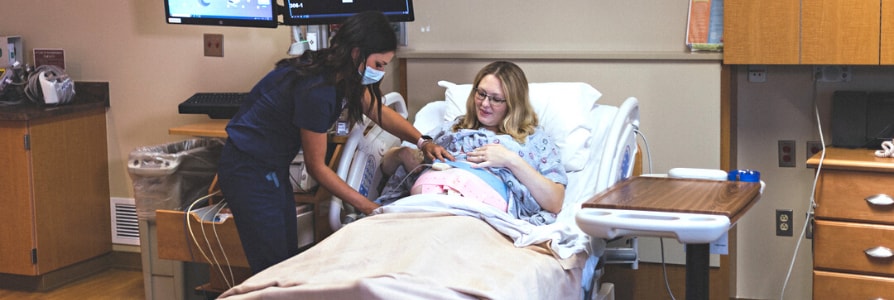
{"type": "Point", "coordinates": [125, 226]}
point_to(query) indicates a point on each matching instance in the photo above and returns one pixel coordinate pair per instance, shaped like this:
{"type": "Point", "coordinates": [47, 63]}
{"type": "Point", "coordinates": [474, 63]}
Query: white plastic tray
{"type": "Point", "coordinates": [688, 228]}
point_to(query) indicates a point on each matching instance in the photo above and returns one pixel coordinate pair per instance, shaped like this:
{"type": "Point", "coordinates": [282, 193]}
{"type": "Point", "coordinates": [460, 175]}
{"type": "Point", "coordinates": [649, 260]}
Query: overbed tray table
{"type": "Point", "coordinates": [695, 212]}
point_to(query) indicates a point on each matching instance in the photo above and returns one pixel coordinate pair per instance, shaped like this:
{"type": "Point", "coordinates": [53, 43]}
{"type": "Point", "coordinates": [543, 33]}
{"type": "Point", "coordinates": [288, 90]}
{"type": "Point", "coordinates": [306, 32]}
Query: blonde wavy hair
{"type": "Point", "coordinates": [520, 120]}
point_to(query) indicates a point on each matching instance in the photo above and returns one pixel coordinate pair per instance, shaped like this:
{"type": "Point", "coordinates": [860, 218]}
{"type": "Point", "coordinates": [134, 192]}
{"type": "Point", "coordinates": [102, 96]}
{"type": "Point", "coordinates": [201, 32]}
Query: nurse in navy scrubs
{"type": "Point", "coordinates": [291, 109]}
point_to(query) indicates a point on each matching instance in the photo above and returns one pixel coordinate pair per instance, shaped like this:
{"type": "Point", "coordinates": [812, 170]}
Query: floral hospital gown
{"type": "Point", "coordinates": [538, 150]}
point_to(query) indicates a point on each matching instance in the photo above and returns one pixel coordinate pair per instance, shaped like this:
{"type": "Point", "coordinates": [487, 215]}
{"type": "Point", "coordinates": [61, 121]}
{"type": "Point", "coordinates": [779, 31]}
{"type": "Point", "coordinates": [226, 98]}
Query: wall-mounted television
{"type": "Point", "coordinates": [246, 13]}
{"type": "Point", "coordinates": [322, 12]}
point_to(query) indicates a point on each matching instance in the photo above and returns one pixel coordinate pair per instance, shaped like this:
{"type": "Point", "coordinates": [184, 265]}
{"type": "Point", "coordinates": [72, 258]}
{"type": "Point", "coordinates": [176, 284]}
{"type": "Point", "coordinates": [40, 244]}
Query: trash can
{"type": "Point", "coordinates": [170, 176]}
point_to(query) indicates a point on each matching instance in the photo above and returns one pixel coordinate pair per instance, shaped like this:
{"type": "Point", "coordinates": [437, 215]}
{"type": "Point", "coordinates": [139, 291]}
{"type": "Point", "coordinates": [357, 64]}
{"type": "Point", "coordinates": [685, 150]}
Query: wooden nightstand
{"type": "Point", "coordinates": [849, 227]}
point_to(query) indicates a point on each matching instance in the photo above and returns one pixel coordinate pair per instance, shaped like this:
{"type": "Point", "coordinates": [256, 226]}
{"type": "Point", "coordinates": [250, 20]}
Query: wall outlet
{"type": "Point", "coordinates": [787, 154]}
{"type": "Point", "coordinates": [757, 73]}
{"type": "Point", "coordinates": [832, 73]}
{"type": "Point", "coordinates": [213, 44]}
{"type": "Point", "coordinates": [813, 147]}
{"type": "Point", "coordinates": [784, 222]}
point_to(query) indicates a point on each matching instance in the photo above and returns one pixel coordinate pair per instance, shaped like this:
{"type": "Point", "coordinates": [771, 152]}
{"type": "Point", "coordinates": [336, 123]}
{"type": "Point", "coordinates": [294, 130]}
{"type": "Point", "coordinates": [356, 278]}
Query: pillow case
{"type": "Point", "coordinates": [562, 109]}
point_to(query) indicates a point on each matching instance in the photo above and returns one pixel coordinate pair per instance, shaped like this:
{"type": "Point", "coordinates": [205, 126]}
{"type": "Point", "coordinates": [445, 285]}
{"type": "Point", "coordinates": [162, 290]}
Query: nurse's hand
{"type": "Point", "coordinates": [433, 152]}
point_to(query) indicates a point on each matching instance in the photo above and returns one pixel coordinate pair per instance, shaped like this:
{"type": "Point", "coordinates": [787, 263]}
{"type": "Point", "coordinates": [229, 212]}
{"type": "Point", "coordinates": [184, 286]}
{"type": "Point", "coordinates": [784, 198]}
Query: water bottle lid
{"type": "Point", "coordinates": [744, 175]}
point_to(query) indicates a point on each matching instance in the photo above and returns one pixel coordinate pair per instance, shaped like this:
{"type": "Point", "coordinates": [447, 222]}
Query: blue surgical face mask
{"type": "Point", "coordinates": [371, 75]}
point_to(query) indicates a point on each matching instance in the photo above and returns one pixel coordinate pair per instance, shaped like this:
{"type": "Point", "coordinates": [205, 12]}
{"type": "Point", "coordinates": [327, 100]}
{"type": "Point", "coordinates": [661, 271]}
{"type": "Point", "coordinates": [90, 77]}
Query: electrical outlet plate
{"type": "Point", "coordinates": [213, 44]}
{"type": "Point", "coordinates": [787, 154]}
{"type": "Point", "coordinates": [757, 73]}
{"type": "Point", "coordinates": [784, 222]}
{"type": "Point", "coordinates": [832, 73]}
{"type": "Point", "coordinates": [813, 147]}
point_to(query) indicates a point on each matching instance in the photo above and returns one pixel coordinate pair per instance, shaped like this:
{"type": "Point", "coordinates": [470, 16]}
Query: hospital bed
{"type": "Point", "coordinates": [443, 247]}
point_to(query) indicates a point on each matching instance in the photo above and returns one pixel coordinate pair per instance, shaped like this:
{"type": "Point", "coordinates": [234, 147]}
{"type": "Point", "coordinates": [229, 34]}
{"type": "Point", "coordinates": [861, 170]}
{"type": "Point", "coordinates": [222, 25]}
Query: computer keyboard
{"type": "Point", "coordinates": [215, 105]}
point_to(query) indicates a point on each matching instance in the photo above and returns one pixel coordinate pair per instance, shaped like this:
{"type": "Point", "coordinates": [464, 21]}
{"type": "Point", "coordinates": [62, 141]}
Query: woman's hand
{"type": "Point", "coordinates": [492, 155]}
{"type": "Point", "coordinates": [547, 193]}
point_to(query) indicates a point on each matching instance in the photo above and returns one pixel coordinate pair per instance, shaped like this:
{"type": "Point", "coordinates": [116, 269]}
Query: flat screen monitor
{"type": "Point", "coordinates": [246, 13]}
{"type": "Point", "coordinates": [322, 12]}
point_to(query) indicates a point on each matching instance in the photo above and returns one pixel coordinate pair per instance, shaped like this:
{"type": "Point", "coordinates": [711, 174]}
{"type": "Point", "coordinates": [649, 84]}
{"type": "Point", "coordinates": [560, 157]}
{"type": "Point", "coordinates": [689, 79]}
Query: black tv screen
{"type": "Point", "coordinates": [322, 12]}
{"type": "Point", "coordinates": [246, 13]}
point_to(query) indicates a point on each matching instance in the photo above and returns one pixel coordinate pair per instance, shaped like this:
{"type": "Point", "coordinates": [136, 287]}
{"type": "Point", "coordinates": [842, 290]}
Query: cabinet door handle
{"type": "Point", "coordinates": [880, 200]}
{"type": "Point", "coordinates": [879, 252]}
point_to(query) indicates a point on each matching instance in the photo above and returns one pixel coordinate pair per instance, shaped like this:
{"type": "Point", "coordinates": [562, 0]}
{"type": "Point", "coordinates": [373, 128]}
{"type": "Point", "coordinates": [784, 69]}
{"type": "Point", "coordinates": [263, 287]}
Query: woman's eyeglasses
{"type": "Point", "coordinates": [481, 95]}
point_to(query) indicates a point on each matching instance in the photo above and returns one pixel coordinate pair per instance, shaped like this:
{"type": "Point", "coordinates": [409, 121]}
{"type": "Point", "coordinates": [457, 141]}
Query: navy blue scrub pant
{"type": "Point", "coordinates": [263, 205]}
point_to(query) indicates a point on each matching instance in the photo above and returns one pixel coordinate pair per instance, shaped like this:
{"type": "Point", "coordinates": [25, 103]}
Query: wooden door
{"type": "Point", "coordinates": [840, 32]}
{"type": "Point", "coordinates": [16, 225]}
{"type": "Point", "coordinates": [71, 189]}
{"type": "Point", "coordinates": [761, 31]}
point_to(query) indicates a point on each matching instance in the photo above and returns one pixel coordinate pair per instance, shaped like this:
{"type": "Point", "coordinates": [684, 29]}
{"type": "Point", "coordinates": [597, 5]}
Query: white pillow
{"type": "Point", "coordinates": [562, 108]}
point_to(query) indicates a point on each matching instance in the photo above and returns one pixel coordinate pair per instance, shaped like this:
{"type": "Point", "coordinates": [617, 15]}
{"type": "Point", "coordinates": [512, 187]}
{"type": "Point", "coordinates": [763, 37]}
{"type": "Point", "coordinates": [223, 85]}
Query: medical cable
{"type": "Point", "coordinates": [664, 268]}
{"type": "Point", "coordinates": [189, 224]}
{"type": "Point", "coordinates": [220, 245]}
{"type": "Point", "coordinates": [187, 229]}
{"type": "Point", "coordinates": [812, 204]}
{"type": "Point", "coordinates": [402, 181]}
{"type": "Point", "coordinates": [34, 88]}
{"type": "Point", "coordinates": [192, 234]}
{"type": "Point", "coordinates": [219, 206]}
{"type": "Point", "coordinates": [646, 145]}
{"type": "Point", "coordinates": [660, 239]}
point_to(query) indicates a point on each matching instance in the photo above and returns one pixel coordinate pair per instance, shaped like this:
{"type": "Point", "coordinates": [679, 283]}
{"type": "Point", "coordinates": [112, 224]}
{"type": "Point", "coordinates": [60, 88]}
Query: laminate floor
{"type": "Point", "coordinates": [118, 284]}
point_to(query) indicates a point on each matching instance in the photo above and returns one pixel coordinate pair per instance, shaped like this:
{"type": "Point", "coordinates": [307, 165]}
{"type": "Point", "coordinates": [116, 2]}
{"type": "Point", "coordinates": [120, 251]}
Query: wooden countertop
{"type": "Point", "coordinates": [852, 159]}
{"type": "Point", "coordinates": [217, 128]}
{"type": "Point", "coordinates": [88, 96]}
{"type": "Point", "coordinates": [211, 128]}
{"type": "Point", "coordinates": [729, 198]}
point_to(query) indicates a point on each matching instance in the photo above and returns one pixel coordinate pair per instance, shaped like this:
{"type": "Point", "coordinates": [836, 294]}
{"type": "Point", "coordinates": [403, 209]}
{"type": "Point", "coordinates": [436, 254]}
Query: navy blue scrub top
{"type": "Point", "coordinates": [268, 123]}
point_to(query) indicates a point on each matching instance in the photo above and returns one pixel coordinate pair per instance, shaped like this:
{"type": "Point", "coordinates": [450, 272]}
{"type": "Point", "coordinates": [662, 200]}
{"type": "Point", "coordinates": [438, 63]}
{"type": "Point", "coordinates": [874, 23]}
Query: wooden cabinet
{"type": "Point", "coordinates": [840, 32]}
{"type": "Point", "coordinates": [54, 192]}
{"type": "Point", "coordinates": [761, 31]}
{"type": "Point", "coordinates": [848, 227]}
{"type": "Point", "coordinates": [886, 50]}
{"type": "Point", "coordinates": [812, 32]}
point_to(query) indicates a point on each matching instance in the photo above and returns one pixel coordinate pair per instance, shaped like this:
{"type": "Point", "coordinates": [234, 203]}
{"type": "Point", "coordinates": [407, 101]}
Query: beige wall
{"type": "Point", "coordinates": [153, 66]}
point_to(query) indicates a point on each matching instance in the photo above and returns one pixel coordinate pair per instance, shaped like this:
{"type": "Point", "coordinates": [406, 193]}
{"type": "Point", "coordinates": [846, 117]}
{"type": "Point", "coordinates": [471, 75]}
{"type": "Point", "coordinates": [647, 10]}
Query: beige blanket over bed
{"type": "Point", "coordinates": [422, 255]}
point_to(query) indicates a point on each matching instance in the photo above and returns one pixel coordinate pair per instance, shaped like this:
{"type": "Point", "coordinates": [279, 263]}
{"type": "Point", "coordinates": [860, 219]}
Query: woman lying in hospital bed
{"type": "Point", "coordinates": [499, 155]}
{"type": "Point", "coordinates": [435, 245]}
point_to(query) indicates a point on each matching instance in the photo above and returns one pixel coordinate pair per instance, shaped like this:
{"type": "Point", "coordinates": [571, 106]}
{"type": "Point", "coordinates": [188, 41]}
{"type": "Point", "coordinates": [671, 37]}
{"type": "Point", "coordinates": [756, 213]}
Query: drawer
{"type": "Point", "coordinates": [841, 195]}
{"type": "Point", "coordinates": [840, 246]}
{"type": "Point", "coordinates": [831, 285]}
{"type": "Point", "coordinates": [176, 238]}
{"type": "Point", "coordinates": [176, 243]}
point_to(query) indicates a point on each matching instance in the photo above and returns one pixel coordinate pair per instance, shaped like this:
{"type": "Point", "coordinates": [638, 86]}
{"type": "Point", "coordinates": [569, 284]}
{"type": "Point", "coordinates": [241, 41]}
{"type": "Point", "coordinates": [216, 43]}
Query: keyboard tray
{"type": "Point", "coordinates": [216, 105]}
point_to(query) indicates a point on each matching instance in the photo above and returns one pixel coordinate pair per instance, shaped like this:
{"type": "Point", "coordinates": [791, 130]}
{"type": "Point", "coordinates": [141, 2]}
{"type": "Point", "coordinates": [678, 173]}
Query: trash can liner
{"type": "Point", "coordinates": [170, 176]}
